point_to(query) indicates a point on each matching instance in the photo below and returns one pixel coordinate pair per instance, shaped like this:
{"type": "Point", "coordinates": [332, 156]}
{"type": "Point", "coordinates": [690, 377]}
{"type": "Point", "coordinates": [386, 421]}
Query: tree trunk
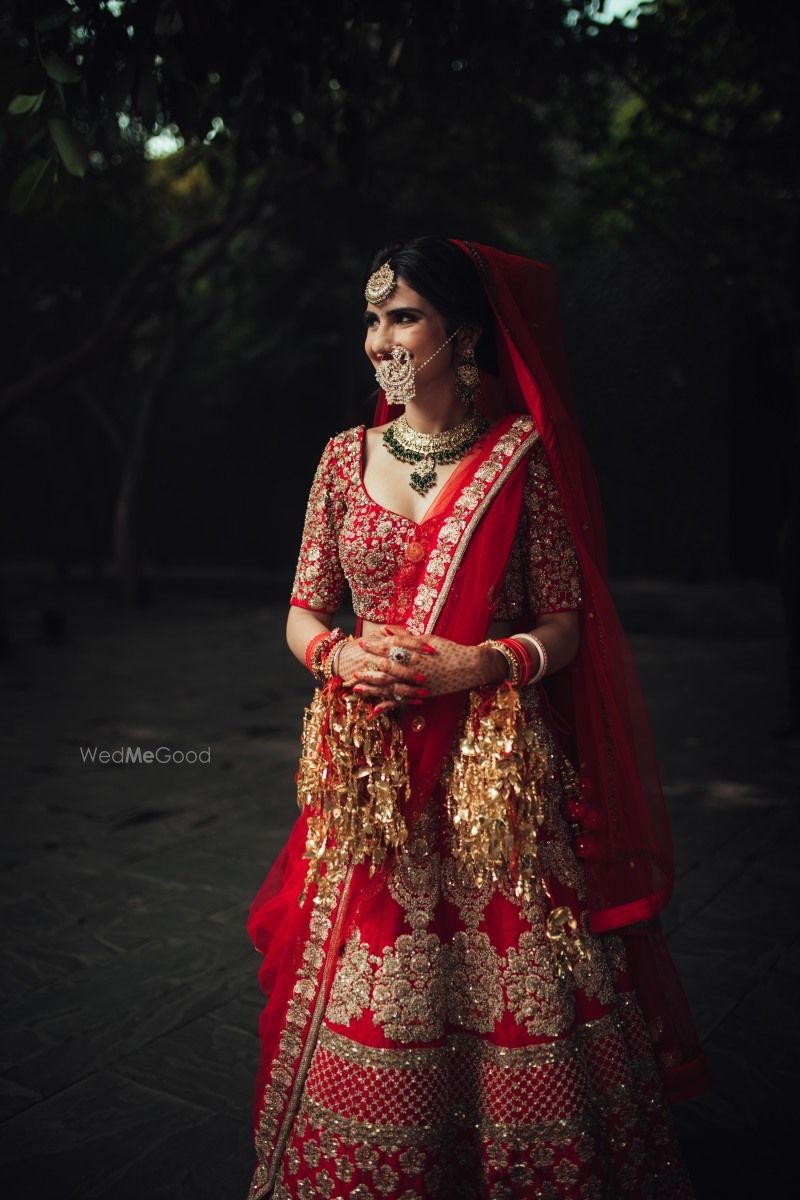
{"type": "Point", "coordinates": [127, 544]}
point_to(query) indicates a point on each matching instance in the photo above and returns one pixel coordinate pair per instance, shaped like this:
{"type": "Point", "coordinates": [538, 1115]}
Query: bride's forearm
{"type": "Point", "coordinates": [302, 624]}
{"type": "Point", "coordinates": [559, 632]}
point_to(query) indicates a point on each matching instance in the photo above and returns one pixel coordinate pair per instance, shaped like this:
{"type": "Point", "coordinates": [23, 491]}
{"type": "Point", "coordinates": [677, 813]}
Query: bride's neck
{"type": "Point", "coordinates": [434, 414]}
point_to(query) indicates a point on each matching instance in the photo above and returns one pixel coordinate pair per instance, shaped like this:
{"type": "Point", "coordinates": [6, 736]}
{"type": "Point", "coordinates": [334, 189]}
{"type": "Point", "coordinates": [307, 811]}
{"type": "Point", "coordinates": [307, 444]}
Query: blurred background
{"type": "Point", "coordinates": [191, 191]}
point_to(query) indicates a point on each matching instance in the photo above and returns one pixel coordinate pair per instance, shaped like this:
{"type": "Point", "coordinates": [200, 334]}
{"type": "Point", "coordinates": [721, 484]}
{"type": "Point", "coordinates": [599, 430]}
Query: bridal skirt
{"type": "Point", "coordinates": [424, 1036]}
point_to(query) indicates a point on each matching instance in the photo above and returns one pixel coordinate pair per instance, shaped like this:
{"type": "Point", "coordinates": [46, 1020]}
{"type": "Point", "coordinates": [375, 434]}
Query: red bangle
{"type": "Point", "coordinates": [317, 650]}
{"type": "Point", "coordinates": [318, 637]}
{"type": "Point", "coordinates": [524, 664]}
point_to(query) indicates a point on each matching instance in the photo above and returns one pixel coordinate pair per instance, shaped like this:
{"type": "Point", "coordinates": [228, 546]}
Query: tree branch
{"type": "Point", "coordinates": [115, 327]}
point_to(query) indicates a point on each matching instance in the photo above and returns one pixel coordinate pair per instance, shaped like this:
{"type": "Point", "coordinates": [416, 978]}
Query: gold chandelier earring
{"type": "Point", "coordinates": [467, 377]}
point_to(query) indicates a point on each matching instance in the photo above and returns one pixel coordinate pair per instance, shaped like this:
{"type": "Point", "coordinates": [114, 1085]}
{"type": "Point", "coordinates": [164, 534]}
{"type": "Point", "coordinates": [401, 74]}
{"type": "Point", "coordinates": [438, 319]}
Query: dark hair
{"type": "Point", "coordinates": [442, 273]}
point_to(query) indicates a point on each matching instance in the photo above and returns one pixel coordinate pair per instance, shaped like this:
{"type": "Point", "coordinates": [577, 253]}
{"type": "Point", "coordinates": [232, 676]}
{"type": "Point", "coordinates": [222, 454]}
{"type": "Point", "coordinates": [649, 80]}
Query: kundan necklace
{"type": "Point", "coordinates": [431, 449]}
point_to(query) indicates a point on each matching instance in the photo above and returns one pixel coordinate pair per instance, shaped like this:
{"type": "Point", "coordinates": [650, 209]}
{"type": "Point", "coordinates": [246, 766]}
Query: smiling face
{"type": "Point", "coordinates": [407, 319]}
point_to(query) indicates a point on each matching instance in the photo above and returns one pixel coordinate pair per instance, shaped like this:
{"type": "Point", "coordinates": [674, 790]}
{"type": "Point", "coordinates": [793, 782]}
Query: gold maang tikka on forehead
{"type": "Point", "coordinates": [380, 285]}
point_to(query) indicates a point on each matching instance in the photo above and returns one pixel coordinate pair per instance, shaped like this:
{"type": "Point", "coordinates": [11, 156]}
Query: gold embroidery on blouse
{"type": "Point", "coordinates": [348, 538]}
{"type": "Point", "coordinates": [543, 573]}
{"type": "Point", "coordinates": [319, 579]}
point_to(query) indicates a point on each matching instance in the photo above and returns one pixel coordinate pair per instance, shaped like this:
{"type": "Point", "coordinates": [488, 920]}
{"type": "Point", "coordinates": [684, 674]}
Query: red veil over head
{"type": "Point", "coordinates": [597, 701]}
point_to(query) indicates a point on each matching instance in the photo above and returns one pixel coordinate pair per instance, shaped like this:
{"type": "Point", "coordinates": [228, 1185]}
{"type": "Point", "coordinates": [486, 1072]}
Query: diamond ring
{"type": "Point", "coordinates": [400, 654]}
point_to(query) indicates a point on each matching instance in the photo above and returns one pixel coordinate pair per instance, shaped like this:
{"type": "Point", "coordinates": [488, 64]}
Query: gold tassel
{"type": "Point", "coordinates": [495, 793]}
{"type": "Point", "coordinates": [353, 780]}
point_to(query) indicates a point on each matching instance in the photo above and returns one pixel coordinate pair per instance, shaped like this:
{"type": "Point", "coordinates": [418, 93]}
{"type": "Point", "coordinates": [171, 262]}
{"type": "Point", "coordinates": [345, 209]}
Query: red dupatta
{"type": "Point", "coordinates": [471, 531]}
{"type": "Point", "coordinates": [597, 701]}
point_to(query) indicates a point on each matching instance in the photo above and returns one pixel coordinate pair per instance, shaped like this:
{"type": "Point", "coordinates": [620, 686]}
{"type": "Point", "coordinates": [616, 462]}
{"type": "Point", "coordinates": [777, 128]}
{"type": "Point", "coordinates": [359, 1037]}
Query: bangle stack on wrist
{"type": "Point", "coordinates": [319, 649]}
{"type": "Point", "coordinates": [512, 659]}
{"type": "Point", "coordinates": [533, 640]}
{"type": "Point", "coordinates": [330, 662]}
{"type": "Point", "coordinates": [517, 653]}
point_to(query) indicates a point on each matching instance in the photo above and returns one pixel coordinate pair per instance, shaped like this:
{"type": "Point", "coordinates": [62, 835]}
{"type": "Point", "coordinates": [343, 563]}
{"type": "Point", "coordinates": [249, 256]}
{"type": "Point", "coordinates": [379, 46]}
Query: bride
{"type": "Point", "coordinates": [468, 991]}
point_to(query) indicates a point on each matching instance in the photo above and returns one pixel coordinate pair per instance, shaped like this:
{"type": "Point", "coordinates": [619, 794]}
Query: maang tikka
{"type": "Point", "coordinates": [380, 285]}
{"type": "Point", "coordinates": [396, 375]}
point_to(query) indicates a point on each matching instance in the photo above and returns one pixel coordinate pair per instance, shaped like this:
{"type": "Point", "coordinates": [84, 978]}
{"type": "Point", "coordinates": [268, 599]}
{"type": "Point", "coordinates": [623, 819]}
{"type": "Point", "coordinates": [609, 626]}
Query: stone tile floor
{"type": "Point", "coordinates": [128, 1038]}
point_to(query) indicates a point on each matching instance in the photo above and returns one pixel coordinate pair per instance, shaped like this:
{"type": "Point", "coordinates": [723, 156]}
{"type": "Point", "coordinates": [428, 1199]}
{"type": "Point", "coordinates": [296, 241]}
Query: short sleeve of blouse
{"type": "Point", "coordinates": [319, 579]}
{"type": "Point", "coordinates": [552, 570]}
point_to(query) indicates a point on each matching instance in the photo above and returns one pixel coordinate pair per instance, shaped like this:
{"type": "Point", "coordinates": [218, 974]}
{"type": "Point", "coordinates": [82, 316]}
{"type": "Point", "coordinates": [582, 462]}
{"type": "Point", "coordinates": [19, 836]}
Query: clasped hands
{"type": "Point", "coordinates": [436, 666]}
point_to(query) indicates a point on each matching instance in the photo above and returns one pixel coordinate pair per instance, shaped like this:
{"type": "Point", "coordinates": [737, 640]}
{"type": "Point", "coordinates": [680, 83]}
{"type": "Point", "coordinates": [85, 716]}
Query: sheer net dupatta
{"type": "Point", "coordinates": [597, 701]}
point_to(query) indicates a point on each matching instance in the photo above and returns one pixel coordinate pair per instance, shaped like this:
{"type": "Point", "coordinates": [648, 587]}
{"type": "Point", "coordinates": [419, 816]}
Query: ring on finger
{"type": "Point", "coordinates": [400, 654]}
{"type": "Point", "coordinates": [397, 696]}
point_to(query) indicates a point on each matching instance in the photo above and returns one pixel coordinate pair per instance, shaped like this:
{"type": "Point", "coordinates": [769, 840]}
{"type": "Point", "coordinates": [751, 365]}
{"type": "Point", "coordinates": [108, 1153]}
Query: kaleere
{"type": "Point", "coordinates": [353, 780]}
{"type": "Point", "coordinates": [495, 792]}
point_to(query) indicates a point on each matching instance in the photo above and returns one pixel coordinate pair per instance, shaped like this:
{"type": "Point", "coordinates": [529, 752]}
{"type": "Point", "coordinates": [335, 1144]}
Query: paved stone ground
{"type": "Point", "coordinates": [129, 1028]}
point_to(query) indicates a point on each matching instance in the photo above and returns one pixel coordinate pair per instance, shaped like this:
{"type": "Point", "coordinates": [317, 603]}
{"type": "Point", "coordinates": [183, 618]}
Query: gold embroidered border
{"type": "Point", "coordinates": [424, 1057]}
{"type": "Point", "coordinates": [457, 529]}
{"type": "Point", "coordinates": [601, 1025]}
{"type": "Point", "coordinates": [388, 1137]}
{"type": "Point", "coordinates": [285, 1086]}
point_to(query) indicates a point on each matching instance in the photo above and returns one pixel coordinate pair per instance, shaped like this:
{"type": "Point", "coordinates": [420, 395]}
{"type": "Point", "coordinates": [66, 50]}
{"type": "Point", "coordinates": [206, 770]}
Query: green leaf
{"type": "Point", "coordinates": [70, 145]}
{"type": "Point", "coordinates": [31, 188]}
{"type": "Point", "coordinates": [62, 72]}
{"type": "Point", "coordinates": [23, 104]}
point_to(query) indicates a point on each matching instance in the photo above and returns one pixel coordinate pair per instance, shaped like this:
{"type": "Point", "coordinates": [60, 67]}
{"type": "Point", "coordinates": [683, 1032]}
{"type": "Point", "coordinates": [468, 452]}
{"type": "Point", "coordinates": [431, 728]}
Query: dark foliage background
{"type": "Point", "coordinates": [192, 191]}
{"type": "Point", "coordinates": [189, 191]}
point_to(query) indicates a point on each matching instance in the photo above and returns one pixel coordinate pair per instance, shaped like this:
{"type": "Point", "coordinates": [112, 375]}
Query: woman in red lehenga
{"type": "Point", "coordinates": [469, 994]}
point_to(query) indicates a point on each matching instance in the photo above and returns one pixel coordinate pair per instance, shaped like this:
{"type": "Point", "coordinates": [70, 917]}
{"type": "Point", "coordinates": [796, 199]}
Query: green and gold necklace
{"type": "Point", "coordinates": [431, 450]}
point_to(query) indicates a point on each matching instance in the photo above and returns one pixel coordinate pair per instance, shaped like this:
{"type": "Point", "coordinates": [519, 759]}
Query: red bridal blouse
{"type": "Point", "coordinates": [348, 538]}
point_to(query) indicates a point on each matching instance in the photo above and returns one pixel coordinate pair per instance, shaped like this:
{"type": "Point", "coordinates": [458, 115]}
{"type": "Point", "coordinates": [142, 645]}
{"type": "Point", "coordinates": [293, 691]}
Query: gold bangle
{"type": "Point", "coordinates": [321, 653]}
{"type": "Point", "coordinates": [331, 660]}
{"type": "Point", "coordinates": [509, 655]}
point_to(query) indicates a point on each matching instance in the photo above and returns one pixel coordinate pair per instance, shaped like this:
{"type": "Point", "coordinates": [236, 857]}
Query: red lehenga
{"type": "Point", "coordinates": [433, 1033]}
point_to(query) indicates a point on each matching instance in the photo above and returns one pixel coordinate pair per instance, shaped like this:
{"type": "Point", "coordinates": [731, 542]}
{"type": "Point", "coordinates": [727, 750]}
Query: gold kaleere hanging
{"type": "Point", "coordinates": [353, 780]}
{"type": "Point", "coordinates": [495, 793]}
